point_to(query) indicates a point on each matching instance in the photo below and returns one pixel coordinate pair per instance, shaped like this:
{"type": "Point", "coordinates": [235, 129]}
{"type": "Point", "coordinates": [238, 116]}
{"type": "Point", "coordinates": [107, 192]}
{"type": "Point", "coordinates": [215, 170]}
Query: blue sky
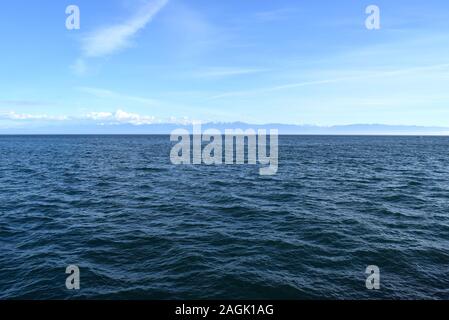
{"type": "Point", "coordinates": [258, 61]}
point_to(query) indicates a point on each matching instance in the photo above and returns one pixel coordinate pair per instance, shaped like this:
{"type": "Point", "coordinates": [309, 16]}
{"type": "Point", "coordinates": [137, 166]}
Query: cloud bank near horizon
{"type": "Point", "coordinates": [122, 122]}
{"type": "Point", "coordinates": [95, 117]}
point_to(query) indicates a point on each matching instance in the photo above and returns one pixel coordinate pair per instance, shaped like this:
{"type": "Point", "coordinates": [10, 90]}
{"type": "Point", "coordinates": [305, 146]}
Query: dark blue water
{"type": "Point", "coordinates": [140, 227]}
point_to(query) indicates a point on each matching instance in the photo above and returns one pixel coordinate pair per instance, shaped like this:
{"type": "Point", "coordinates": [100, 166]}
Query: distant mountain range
{"type": "Point", "coordinates": [284, 129]}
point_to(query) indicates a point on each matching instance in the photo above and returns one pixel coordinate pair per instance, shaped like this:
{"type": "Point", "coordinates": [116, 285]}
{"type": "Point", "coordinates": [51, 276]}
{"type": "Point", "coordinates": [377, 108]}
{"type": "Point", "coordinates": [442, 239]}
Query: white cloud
{"type": "Point", "coordinates": [133, 118]}
{"type": "Point", "coordinates": [95, 117]}
{"type": "Point", "coordinates": [123, 117]}
{"type": "Point", "coordinates": [99, 116]}
{"type": "Point", "coordinates": [111, 39]}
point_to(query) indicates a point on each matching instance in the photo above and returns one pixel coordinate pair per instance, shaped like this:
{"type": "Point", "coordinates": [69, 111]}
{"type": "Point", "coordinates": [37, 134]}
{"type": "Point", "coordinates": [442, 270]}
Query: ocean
{"type": "Point", "coordinates": [139, 227]}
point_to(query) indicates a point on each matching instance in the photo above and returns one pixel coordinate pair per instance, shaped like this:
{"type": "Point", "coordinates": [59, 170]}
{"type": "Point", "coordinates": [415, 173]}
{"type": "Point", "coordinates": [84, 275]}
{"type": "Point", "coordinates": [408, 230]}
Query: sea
{"type": "Point", "coordinates": [139, 227]}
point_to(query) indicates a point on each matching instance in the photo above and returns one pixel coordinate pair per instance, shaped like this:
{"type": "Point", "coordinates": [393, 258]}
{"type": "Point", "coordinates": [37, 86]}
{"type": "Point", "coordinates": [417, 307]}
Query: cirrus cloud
{"type": "Point", "coordinates": [108, 40]}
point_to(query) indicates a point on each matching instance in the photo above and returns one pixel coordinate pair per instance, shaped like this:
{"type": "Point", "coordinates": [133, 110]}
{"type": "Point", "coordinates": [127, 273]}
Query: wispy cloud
{"type": "Point", "coordinates": [108, 40]}
{"type": "Point", "coordinates": [275, 15]}
{"type": "Point", "coordinates": [108, 94]}
{"type": "Point", "coordinates": [362, 76]}
{"type": "Point", "coordinates": [12, 115]}
{"type": "Point", "coordinates": [22, 103]}
{"type": "Point", "coordinates": [223, 72]}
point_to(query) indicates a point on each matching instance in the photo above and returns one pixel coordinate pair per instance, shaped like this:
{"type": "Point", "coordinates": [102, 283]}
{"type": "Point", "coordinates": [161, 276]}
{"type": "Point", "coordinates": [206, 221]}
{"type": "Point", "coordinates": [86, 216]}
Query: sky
{"type": "Point", "coordinates": [140, 62]}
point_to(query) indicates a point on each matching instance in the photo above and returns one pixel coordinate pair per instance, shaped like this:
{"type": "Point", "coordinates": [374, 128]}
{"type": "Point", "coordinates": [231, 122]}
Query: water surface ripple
{"type": "Point", "coordinates": [139, 227]}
